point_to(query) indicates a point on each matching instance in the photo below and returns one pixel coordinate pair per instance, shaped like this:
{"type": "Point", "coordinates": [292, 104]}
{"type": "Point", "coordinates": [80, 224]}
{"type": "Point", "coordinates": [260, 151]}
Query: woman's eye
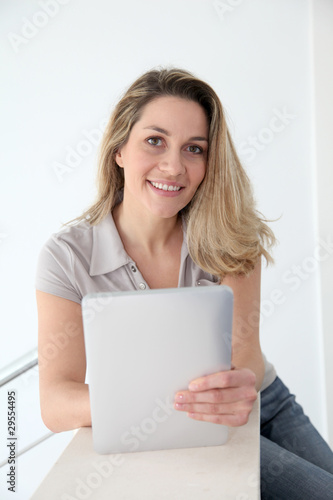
{"type": "Point", "coordinates": [154, 141]}
{"type": "Point", "coordinates": [157, 141]}
{"type": "Point", "coordinates": [195, 149]}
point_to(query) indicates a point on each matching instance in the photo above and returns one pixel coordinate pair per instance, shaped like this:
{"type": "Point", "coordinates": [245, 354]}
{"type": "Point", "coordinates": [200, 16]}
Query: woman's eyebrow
{"type": "Point", "coordinates": [165, 132]}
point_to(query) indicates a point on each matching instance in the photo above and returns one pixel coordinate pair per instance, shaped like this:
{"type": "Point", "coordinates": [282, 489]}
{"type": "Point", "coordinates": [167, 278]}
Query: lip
{"type": "Point", "coordinates": [161, 192]}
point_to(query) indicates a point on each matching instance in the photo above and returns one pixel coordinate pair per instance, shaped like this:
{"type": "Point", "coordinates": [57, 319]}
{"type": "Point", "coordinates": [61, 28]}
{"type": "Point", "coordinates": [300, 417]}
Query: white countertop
{"type": "Point", "coordinates": [223, 472]}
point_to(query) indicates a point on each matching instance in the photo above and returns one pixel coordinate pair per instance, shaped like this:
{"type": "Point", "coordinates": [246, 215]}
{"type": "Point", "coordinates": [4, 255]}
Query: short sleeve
{"type": "Point", "coordinates": [55, 272]}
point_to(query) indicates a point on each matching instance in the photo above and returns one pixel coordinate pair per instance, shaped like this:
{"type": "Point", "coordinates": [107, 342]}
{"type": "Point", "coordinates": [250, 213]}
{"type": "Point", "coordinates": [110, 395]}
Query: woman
{"type": "Point", "coordinates": [174, 208]}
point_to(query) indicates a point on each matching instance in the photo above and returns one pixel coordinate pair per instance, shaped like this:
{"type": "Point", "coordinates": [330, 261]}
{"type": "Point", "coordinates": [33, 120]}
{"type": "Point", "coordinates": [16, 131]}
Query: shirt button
{"type": "Point", "coordinates": [198, 283]}
{"type": "Point", "coordinates": [142, 286]}
{"type": "Point", "coordinates": [133, 268]}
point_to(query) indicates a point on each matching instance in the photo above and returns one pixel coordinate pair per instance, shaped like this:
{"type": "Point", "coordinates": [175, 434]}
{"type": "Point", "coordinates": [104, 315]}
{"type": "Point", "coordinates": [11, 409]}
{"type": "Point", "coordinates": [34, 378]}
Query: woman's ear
{"type": "Point", "coordinates": [119, 159]}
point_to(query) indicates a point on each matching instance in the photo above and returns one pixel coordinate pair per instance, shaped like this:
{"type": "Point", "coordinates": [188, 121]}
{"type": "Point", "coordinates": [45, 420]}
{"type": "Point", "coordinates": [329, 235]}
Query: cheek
{"type": "Point", "coordinates": [141, 160]}
{"type": "Point", "coordinates": [133, 164]}
{"type": "Point", "coordinates": [200, 174]}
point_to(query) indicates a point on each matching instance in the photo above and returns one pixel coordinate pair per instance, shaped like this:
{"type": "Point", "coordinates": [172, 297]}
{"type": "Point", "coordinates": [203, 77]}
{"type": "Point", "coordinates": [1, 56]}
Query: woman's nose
{"type": "Point", "coordinates": [172, 163]}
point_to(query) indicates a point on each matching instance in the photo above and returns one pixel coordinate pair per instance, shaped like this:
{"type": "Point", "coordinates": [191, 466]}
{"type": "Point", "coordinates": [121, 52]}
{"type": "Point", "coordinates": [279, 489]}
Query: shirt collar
{"type": "Point", "coordinates": [108, 253]}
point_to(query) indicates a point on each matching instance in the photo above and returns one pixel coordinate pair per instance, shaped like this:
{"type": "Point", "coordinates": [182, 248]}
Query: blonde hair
{"type": "Point", "coordinates": [225, 233]}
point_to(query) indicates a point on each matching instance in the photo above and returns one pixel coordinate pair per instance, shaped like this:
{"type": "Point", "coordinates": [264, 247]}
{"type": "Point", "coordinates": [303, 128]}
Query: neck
{"type": "Point", "coordinates": [149, 234]}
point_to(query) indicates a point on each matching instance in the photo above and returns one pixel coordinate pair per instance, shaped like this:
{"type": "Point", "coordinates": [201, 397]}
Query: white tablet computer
{"type": "Point", "coordinates": [144, 346]}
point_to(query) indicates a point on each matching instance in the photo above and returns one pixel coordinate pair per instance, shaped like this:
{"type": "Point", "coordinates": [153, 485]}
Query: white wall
{"type": "Point", "coordinates": [322, 35]}
{"type": "Point", "coordinates": [62, 79]}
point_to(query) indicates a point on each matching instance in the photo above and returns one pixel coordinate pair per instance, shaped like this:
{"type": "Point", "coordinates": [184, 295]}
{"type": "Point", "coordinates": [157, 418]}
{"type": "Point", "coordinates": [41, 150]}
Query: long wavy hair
{"type": "Point", "coordinates": [225, 232]}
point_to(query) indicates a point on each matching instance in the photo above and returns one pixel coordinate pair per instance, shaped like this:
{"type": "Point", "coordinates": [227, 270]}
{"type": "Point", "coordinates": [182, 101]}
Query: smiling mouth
{"type": "Point", "coordinates": [165, 187]}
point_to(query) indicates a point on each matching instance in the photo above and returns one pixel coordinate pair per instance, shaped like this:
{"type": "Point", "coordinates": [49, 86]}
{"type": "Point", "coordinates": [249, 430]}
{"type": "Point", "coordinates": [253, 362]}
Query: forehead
{"type": "Point", "coordinates": [174, 113]}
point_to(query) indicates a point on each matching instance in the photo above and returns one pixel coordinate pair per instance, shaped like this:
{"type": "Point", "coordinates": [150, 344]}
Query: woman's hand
{"type": "Point", "coordinates": [225, 397]}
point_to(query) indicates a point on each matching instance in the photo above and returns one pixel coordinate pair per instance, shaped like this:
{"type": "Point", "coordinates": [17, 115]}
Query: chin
{"type": "Point", "coordinates": [164, 210]}
{"type": "Point", "coordinates": [166, 215]}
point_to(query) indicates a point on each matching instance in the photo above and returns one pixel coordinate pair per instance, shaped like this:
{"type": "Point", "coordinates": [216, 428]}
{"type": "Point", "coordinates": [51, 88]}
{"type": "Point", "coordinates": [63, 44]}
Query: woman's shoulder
{"type": "Point", "coordinates": [75, 235]}
{"type": "Point", "coordinates": [63, 259]}
{"type": "Point", "coordinates": [78, 240]}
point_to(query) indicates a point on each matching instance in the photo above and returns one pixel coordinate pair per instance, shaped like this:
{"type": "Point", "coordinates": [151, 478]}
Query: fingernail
{"type": "Point", "coordinates": [178, 406]}
{"type": "Point", "coordinates": [179, 397]}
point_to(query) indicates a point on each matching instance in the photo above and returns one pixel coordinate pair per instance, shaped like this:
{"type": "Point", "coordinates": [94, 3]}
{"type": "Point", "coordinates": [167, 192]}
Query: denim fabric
{"type": "Point", "coordinates": [295, 462]}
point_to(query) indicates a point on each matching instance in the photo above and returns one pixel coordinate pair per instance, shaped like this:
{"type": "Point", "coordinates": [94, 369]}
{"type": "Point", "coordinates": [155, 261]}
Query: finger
{"type": "Point", "coordinates": [217, 396]}
{"type": "Point", "coordinates": [216, 409]}
{"type": "Point", "coordinates": [224, 379]}
{"type": "Point", "coordinates": [230, 420]}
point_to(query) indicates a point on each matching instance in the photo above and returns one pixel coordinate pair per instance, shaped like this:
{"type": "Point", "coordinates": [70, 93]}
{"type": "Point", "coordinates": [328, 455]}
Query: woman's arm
{"type": "Point", "coordinates": [246, 351]}
{"type": "Point", "coordinates": [64, 396]}
{"type": "Point", "coordinates": [227, 397]}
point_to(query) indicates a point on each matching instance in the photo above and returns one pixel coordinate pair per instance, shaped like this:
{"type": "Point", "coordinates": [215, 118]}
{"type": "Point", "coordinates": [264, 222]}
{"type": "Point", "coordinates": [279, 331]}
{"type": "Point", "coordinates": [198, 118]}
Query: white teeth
{"type": "Point", "coordinates": [165, 187]}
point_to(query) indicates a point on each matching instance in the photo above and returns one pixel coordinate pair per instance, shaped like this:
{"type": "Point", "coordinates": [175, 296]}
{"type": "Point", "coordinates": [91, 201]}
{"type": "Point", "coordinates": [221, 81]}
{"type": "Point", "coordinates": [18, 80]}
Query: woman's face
{"type": "Point", "coordinates": [164, 159]}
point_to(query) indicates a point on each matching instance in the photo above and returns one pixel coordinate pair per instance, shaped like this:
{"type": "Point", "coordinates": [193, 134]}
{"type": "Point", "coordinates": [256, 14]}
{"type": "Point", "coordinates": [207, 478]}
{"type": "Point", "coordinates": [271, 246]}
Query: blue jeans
{"type": "Point", "coordinates": [295, 462]}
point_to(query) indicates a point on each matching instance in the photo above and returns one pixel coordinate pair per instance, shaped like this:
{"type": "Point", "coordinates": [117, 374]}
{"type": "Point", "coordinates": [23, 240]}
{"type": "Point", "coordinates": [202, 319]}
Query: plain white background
{"type": "Point", "coordinates": [66, 63]}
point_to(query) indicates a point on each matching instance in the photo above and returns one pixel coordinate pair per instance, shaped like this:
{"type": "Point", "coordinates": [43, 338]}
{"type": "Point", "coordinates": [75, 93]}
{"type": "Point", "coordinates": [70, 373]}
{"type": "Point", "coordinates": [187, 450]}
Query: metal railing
{"type": "Point", "coordinates": [19, 366]}
{"type": "Point", "coordinates": [10, 372]}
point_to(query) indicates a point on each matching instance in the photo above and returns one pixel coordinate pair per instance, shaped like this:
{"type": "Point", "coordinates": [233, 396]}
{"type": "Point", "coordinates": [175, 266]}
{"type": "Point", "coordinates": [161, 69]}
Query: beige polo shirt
{"type": "Point", "coordinates": [84, 259]}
